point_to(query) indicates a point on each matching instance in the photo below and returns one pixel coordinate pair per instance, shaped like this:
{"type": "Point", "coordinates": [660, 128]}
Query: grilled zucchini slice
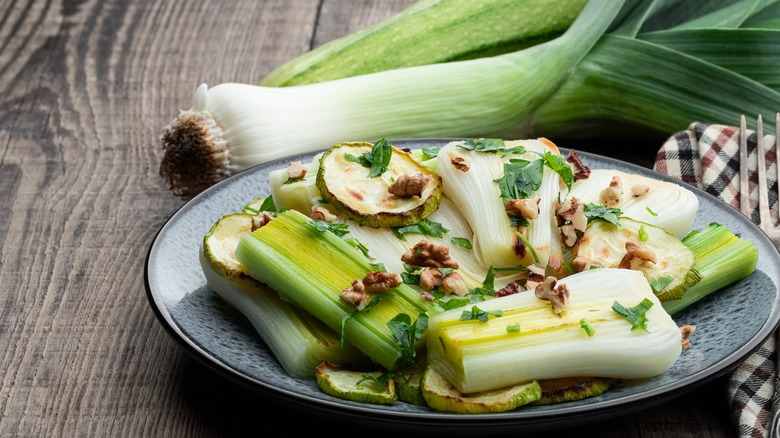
{"type": "Point", "coordinates": [670, 276]}
{"type": "Point", "coordinates": [343, 181]}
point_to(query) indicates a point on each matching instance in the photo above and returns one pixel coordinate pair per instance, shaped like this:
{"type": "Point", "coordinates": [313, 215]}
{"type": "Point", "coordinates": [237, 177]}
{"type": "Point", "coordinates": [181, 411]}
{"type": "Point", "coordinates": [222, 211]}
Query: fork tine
{"type": "Point", "coordinates": [763, 195]}
{"type": "Point", "coordinates": [744, 187]}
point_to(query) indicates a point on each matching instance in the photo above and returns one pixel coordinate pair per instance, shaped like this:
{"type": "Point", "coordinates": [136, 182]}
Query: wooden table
{"type": "Point", "coordinates": [86, 88]}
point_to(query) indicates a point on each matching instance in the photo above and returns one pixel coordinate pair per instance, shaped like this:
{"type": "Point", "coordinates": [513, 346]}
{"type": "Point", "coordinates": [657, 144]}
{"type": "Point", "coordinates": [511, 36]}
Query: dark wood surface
{"type": "Point", "coordinates": [86, 87]}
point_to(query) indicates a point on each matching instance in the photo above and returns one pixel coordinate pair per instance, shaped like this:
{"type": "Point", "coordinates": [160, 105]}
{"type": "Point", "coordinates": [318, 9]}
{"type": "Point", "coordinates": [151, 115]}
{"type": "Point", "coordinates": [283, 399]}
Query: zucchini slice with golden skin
{"type": "Point", "coordinates": [606, 244]}
{"type": "Point", "coordinates": [442, 396]}
{"type": "Point", "coordinates": [346, 185]}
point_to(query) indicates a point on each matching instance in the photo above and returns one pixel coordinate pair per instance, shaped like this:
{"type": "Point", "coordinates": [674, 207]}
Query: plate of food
{"type": "Point", "coordinates": [463, 284]}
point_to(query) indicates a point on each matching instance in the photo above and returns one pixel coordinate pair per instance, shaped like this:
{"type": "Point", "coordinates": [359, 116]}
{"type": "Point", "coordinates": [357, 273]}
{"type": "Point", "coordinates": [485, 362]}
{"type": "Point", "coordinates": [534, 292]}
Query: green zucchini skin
{"type": "Point", "coordinates": [431, 32]}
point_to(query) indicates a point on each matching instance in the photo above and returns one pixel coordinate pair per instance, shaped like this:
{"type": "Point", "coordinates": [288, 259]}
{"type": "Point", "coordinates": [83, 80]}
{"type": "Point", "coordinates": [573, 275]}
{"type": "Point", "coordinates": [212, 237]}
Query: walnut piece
{"type": "Point", "coordinates": [535, 276]}
{"type": "Point", "coordinates": [460, 162]}
{"type": "Point", "coordinates": [378, 282]}
{"type": "Point", "coordinates": [407, 185]}
{"type": "Point", "coordinates": [636, 256]}
{"type": "Point", "coordinates": [355, 295]}
{"type": "Point", "coordinates": [556, 294]}
{"type": "Point", "coordinates": [295, 170]}
{"type": "Point", "coordinates": [454, 283]}
{"type": "Point", "coordinates": [571, 219]}
{"type": "Point", "coordinates": [259, 220]}
{"type": "Point", "coordinates": [686, 330]}
{"type": "Point", "coordinates": [430, 278]}
{"type": "Point", "coordinates": [580, 170]}
{"type": "Point", "coordinates": [510, 289]}
{"type": "Point", "coordinates": [525, 208]}
{"type": "Point", "coordinates": [638, 190]}
{"type": "Point", "coordinates": [321, 213]}
{"type": "Point", "coordinates": [428, 254]}
{"type": "Point", "coordinates": [581, 263]}
{"type": "Point", "coordinates": [611, 195]}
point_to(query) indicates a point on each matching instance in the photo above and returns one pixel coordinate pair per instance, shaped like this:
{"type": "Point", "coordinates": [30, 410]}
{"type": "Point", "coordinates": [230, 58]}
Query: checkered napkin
{"type": "Point", "coordinates": [707, 156]}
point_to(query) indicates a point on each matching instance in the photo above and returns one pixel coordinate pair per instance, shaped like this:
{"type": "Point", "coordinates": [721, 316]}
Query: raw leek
{"type": "Point", "coordinates": [231, 127]}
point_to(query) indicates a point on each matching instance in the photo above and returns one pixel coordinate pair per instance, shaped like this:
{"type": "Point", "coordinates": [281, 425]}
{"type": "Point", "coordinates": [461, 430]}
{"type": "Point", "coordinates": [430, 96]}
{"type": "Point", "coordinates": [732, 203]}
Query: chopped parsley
{"type": "Point", "coordinates": [430, 153]}
{"type": "Point", "coordinates": [513, 328]}
{"type": "Point", "coordinates": [521, 178]}
{"type": "Point", "coordinates": [488, 284]}
{"type": "Point", "coordinates": [406, 334]}
{"type": "Point", "coordinates": [635, 315]}
{"type": "Point", "coordinates": [267, 205]}
{"type": "Point", "coordinates": [491, 145]}
{"type": "Point", "coordinates": [340, 230]}
{"type": "Point", "coordinates": [601, 212]}
{"type": "Point", "coordinates": [377, 160]}
{"type": "Point", "coordinates": [478, 314]}
{"type": "Point", "coordinates": [425, 227]}
{"type": "Point", "coordinates": [559, 165]}
{"type": "Point", "coordinates": [461, 241]}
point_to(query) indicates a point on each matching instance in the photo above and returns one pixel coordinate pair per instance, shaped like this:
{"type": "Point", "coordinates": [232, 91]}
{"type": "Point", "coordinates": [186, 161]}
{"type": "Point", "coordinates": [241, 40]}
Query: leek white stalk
{"type": "Point", "coordinates": [479, 199]}
{"type": "Point", "coordinates": [231, 127]}
{"type": "Point", "coordinates": [666, 205]}
{"type": "Point", "coordinates": [480, 356]}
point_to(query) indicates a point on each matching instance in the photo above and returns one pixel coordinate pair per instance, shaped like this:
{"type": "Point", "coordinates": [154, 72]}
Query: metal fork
{"type": "Point", "coordinates": [765, 218]}
{"type": "Point", "coordinates": [765, 223]}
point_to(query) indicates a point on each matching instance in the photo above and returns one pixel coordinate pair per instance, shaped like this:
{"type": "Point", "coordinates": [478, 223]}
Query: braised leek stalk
{"type": "Point", "coordinates": [476, 355]}
{"type": "Point", "coordinates": [297, 340]}
{"type": "Point", "coordinates": [231, 127]}
{"type": "Point", "coordinates": [480, 199]}
{"type": "Point", "coordinates": [722, 258]}
{"type": "Point", "coordinates": [310, 268]}
{"type": "Point", "coordinates": [667, 205]}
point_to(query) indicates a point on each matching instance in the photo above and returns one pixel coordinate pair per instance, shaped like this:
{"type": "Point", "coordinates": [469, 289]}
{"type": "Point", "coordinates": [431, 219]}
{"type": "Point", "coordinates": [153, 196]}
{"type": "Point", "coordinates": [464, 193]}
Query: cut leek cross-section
{"type": "Point", "coordinates": [479, 356]}
{"type": "Point", "coordinates": [674, 268]}
{"type": "Point", "coordinates": [311, 268]}
{"type": "Point", "coordinates": [347, 180]}
{"type": "Point", "coordinates": [298, 340]}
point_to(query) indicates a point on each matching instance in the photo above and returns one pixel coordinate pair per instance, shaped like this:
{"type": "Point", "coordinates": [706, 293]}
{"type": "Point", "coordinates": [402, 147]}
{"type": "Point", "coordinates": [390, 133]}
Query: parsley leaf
{"type": "Point", "coordinates": [635, 315]}
{"type": "Point", "coordinates": [377, 160]}
{"type": "Point", "coordinates": [430, 153]}
{"type": "Point", "coordinates": [461, 241]}
{"type": "Point", "coordinates": [425, 227]}
{"type": "Point", "coordinates": [559, 165]}
{"type": "Point", "coordinates": [267, 205]}
{"type": "Point", "coordinates": [322, 226]}
{"type": "Point", "coordinates": [521, 178]}
{"type": "Point", "coordinates": [479, 314]}
{"type": "Point", "coordinates": [484, 145]}
{"type": "Point", "coordinates": [601, 212]}
{"type": "Point", "coordinates": [407, 334]}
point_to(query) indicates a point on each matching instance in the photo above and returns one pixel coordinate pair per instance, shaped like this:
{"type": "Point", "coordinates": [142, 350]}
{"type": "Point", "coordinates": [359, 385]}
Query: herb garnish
{"type": "Point", "coordinates": [513, 328]}
{"type": "Point", "coordinates": [652, 213]}
{"type": "Point", "coordinates": [461, 241]}
{"type": "Point", "coordinates": [488, 286]}
{"type": "Point", "coordinates": [635, 315]}
{"type": "Point", "coordinates": [643, 236]}
{"type": "Point", "coordinates": [559, 165]}
{"type": "Point", "coordinates": [267, 205]}
{"type": "Point", "coordinates": [370, 305]}
{"type": "Point", "coordinates": [425, 227]}
{"type": "Point", "coordinates": [601, 212]}
{"type": "Point", "coordinates": [340, 230]}
{"type": "Point", "coordinates": [479, 314]}
{"type": "Point", "coordinates": [585, 324]}
{"type": "Point", "coordinates": [407, 334]}
{"type": "Point", "coordinates": [430, 153]}
{"type": "Point", "coordinates": [521, 178]}
{"type": "Point", "coordinates": [377, 160]}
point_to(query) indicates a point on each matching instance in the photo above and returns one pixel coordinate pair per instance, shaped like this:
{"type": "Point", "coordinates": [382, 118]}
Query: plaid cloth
{"type": "Point", "coordinates": [707, 156]}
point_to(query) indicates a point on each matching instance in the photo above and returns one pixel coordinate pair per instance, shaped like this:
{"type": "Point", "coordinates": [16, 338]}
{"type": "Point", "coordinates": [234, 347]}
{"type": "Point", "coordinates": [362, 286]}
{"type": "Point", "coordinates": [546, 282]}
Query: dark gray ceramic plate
{"type": "Point", "coordinates": [730, 324]}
